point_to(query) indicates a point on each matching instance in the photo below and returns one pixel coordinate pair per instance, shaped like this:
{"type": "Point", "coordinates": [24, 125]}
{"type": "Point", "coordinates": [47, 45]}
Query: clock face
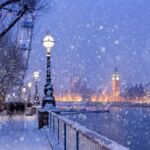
{"type": "Point", "coordinates": [117, 78]}
{"type": "Point", "coordinates": [113, 78]}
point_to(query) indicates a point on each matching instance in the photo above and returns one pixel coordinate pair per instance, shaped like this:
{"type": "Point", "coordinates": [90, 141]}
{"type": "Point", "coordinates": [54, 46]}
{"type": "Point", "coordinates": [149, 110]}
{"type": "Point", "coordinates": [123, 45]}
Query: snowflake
{"type": "Point", "coordinates": [72, 47]}
{"type": "Point", "coordinates": [21, 138]}
{"type": "Point", "coordinates": [101, 27]}
{"type": "Point", "coordinates": [103, 49]}
{"type": "Point", "coordinates": [117, 42]}
{"type": "Point", "coordinates": [88, 26]}
{"type": "Point", "coordinates": [99, 57]}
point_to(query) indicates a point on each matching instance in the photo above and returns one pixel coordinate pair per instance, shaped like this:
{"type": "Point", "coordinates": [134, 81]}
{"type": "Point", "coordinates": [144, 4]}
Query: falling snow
{"type": "Point", "coordinates": [92, 37]}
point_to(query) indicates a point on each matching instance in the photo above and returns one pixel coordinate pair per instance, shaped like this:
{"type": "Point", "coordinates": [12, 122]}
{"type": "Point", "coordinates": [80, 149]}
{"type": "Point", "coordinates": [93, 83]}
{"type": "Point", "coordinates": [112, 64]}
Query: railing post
{"type": "Point", "coordinates": [65, 138]}
{"type": "Point", "coordinates": [77, 140]}
{"type": "Point", "coordinates": [58, 130]}
{"type": "Point", "coordinates": [49, 122]}
{"type": "Point", "coordinates": [53, 124]}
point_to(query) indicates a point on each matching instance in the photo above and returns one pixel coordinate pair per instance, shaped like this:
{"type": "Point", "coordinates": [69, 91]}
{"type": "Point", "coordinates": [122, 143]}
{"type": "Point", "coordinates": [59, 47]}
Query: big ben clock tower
{"type": "Point", "coordinates": [116, 84]}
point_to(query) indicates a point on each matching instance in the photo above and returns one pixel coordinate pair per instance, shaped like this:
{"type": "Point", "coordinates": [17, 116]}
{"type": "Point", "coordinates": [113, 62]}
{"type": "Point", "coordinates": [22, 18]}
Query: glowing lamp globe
{"type": "Point", "coordinates": [23, 89]}
{"type": "Point", "coordinates": [48, 43]}
{"type": "Point", "coordinates": [36, 75]}
{"type": "Point", "coordinates": [29, 85]}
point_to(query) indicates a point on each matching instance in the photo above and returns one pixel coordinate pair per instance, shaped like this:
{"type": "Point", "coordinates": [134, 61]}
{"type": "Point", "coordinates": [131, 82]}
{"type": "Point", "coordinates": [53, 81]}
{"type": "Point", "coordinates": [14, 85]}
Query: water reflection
{"type": "Point", "coordinates": [128, 126]}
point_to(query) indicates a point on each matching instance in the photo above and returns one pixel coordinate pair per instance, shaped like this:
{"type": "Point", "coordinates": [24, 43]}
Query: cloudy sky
{"type": "Point", "coordinates": [92, 37]}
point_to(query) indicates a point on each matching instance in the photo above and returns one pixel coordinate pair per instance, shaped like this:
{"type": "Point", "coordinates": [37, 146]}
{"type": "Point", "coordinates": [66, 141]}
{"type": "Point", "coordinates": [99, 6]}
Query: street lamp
{"type": "Point", "coordinates": [23, 93]}
{"type": "Point", "coordinates": [48, 43]}
{"type": "Point", "coordinates": [23, 89]}
{"type": "Point", "coordinates": [29, 96]}
{"type": "Point", "coordinates": [36, 77]}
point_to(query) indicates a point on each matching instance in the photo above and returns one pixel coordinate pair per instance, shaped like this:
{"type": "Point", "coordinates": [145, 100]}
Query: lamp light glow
{"type": "Point", "coordinates": [36, 75]}
{"type": "Point", "coordinates": [48, 43]}
{"type": "Point", "coordinates": [29, 85]}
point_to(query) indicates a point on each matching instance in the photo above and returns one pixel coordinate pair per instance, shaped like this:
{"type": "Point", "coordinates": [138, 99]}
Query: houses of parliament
{"type": "Point", "coordinates": [77, 94]}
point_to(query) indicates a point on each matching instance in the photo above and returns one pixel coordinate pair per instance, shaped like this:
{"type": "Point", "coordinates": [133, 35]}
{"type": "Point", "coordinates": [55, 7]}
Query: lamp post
{"type": "Point", "coordinates": [29, 96]}
{"type": "Point", "coordinates": [48, 43]}
{"type": "Point", "coordinates": [36, 97]}
{"type": "Point", "coordinates": [23, 93]}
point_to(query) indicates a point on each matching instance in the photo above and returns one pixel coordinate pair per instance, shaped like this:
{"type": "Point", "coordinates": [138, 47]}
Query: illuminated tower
{"type": "Point", "coordinates": [116, 85]}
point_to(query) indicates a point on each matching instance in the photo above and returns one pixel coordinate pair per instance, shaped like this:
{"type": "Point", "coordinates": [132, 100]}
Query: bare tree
{"type": "Point", "coordinates": [10, 64]}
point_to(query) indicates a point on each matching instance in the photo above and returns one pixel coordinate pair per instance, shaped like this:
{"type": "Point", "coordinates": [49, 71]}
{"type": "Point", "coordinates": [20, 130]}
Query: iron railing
{"type": "Point", "coordinates": [73, 136]}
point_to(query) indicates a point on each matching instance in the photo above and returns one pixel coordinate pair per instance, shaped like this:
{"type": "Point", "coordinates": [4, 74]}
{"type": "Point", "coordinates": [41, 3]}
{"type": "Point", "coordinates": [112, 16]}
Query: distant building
{"type": "Point", "coordinates": [67, 97]}
{"type": "Point", "coordinates": [116, 85]}
{"type": "Point", "coordinates": [147, 92]}
{"type": "Point", "coordinates": [80, 92]}
{"type": "Point", "coordinates": [75, 85]}
{"type": "Point", "coordinates": [73, 94]}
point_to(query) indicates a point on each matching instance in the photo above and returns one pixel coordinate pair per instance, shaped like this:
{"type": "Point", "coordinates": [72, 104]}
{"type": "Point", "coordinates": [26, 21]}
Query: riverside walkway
{"type": "Point", "coordinates": [21, 133]}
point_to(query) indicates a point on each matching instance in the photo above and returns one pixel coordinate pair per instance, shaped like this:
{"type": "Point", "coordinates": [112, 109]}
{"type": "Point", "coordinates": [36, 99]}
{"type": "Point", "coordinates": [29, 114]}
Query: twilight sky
{"type": "Point", "coordinates": [92, 37]}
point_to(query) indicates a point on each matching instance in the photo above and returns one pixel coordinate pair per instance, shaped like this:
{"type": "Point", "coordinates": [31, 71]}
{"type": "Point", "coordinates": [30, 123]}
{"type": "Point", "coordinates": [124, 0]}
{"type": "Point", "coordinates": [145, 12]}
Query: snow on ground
{"type": "Point", "coordinates": [21, 133]}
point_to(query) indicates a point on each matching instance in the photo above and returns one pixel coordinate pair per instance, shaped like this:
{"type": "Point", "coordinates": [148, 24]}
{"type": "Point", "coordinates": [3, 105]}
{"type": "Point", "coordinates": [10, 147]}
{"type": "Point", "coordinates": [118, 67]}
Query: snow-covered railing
{"type": "Point", "coordinates": [72, 136]}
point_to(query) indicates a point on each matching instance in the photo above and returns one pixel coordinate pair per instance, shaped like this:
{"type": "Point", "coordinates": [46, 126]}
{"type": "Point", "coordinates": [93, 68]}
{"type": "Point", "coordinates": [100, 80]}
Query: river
{"type": "Point", "coordinates": [127, 126]}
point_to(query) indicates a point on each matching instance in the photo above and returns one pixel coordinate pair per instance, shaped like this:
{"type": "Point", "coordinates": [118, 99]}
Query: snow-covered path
{"type": "Point", "coordinates": [21, 133]}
